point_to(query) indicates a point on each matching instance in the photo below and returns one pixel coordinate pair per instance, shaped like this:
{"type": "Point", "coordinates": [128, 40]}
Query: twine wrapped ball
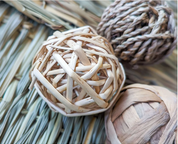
{"type": "Point", "coordinates": [143, 115]}
{"type": "Point", "coordinates": [142, 32]}
{"type": "Point", "coordinates": [77, 73]}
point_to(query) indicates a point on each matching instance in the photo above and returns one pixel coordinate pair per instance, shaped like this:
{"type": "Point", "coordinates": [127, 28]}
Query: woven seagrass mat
{"type": "Point", "coordinates": [24, 116]}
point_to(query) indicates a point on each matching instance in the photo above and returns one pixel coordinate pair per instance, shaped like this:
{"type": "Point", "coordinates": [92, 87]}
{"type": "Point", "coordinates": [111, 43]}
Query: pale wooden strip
{"type": "Point", "coordinates": [41, 67]}
{"type": "Point", "coordinates": [79, 52]}
{"type": "Point", "coordinates": [89, 100]}
{"type": "Point", "coordinates": [89, 51]}
{"type": "Point", "coordinates": [64, 86]}
{"type": "Point", "coordinates": [57, 79]}
{"type": "Point", "coordinates": [81, 95]}
{"type": "Point", "coordinates": [89, 41]}
{"type": "Point", "coordinates": [98, 48]}
{"type": "Point", "coordinates": [96, 87]}
{"type": "Point", "coordinates": [80, 81]}
{"type": "Point", "coordinates": [61, 105]}
{"type": "Point", "coordinates": [72, 65]}
{"type": "Point", "coordinates": [78, 69]}
{"type": "Point", "coordinates": [96, 83]}
{"type": "Point", "coordinates": [108, 81]}
{"type": "Point", "coordinates": [115, 83]}
{"type": "Point", "coordinates": [69, 92]}
{"type": "Point", "coordinates": [55, 93]}
{"type": "Point", "coordinates": [89, 74]}
{"type": "Point", "coordinates": [49, 67]}
{"type": "Point", "coordinates": [57, 71]}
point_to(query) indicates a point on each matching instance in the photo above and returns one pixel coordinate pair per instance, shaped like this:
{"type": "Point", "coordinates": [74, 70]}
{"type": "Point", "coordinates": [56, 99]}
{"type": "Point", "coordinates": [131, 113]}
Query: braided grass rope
{"type": "Point", "coordinates": [144, 114]}
{"type": "Point", "coordinates": [76, 72]}
{"type": "Point", "coordinates": [141, 32]}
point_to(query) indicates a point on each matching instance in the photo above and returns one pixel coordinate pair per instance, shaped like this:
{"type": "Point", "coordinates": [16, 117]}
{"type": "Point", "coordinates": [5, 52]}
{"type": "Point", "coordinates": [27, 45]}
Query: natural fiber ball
{"type": "Point", "coordinates": [76, 72]}
{"type": "Point", "coordinates": [140, 31]}
{"type": "Point", "coordinates": [143, 114]}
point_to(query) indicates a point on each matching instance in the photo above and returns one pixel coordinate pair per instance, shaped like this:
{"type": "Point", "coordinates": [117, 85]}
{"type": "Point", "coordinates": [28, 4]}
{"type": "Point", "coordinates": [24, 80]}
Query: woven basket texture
{"type": "Point", "coordinates": [77, 71]}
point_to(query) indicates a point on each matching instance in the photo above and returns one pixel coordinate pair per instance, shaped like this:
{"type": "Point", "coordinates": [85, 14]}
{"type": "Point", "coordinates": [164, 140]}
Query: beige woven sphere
{"type": "Point", "coordinates": [140, 31]}
{"type": "Point", "coordinates": [77, 73]}
{"type": "Point", "coordinates": [143, 115]}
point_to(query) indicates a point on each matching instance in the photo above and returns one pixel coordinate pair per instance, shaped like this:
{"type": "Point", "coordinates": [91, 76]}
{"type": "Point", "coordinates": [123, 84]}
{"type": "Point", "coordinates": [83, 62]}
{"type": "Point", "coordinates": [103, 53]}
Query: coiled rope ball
{"type": "Point", "coordinates": [77, 73]}
{"type": "Point", "coordinates": [143, 115]}
{"type": "Point", "coordinates": [141, 32]}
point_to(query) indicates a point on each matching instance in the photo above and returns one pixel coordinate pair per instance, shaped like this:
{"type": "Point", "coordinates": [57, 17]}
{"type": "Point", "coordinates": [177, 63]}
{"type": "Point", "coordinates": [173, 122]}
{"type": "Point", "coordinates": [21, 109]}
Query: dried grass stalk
{"type": "Point", "coordinates": [77, 73]}
{"type": "Point", "coordinates": [20, 108]}
{"type": "Point", "coordinates": [143, 114]}
{"type": "Point", "coordinates": [59, 15]}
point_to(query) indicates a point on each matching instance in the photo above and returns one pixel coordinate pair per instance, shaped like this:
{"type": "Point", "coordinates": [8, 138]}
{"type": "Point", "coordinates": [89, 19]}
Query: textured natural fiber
{"type": "Point", "coordinates": [77, 72]}
{"type": "Point", "coordinates": [24, 115]}
{"type": "Point", "coordinates": [62, 14]}
{"type": "Point", "coordinates": [141, 32]}
{"type": "Point", "coordinates": [143, 114]}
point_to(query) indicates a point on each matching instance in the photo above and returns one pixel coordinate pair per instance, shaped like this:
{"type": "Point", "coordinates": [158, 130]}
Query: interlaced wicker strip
{"type": "Point", "coordinates": [143, 114]}
{"type": "Point", "coordinates": [141, 32]}
{"type": "Point", "coordinates": [77, 73]}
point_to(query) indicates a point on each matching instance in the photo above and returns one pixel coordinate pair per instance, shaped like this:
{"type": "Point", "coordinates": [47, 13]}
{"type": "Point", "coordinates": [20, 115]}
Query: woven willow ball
{"type": "Point", "coordinates": [143, 115]}
{"type": "Point", "coordinates": [140, 31]}
{"type": "Point", "coordinates": [77, 73]}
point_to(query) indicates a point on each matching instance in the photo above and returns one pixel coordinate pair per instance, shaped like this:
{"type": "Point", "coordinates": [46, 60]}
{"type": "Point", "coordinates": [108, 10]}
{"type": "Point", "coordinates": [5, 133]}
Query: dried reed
{"type": "Point", "coordinates": [24, 116]}
{"type": "Point", "coordinates": [22, 111]}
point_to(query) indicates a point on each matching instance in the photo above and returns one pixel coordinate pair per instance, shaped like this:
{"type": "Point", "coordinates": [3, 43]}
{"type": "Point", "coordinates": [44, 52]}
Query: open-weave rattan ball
{"type": "Point", "coordinates": [143, 115]}
{"type": "Point", "coordinates": [140, 31]}
{"type": "Point", "coordinates": [77, 73]}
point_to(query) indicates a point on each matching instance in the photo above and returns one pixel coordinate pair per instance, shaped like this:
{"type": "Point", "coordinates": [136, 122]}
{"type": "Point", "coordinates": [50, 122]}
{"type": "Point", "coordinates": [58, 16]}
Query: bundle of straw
{"type": "Point", "coordinates": [62, 14]}
{"type": "Point", "coordinates": [24, 116]}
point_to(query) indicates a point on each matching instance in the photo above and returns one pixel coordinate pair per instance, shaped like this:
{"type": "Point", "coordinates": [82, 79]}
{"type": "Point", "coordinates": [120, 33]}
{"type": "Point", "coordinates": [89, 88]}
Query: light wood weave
{"type": "Point", "coordinates": [143, 115]}
{"type": "Point", "coordinates": [76, 72]}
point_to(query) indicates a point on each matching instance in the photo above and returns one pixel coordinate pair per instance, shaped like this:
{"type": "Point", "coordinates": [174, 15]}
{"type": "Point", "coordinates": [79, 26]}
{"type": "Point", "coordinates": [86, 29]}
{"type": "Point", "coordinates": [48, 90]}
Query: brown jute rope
{"type": "Point", "coordinates": [141, 32]}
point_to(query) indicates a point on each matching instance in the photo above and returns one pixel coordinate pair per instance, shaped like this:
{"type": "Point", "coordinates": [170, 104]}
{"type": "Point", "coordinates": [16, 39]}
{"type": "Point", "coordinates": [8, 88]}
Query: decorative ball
{"type": "Point", "coordinates": [142, 32]}
{"type": "Point", "coordinates": [77, 73]}
{"type": "Point", "coordinates": [143, 114]}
